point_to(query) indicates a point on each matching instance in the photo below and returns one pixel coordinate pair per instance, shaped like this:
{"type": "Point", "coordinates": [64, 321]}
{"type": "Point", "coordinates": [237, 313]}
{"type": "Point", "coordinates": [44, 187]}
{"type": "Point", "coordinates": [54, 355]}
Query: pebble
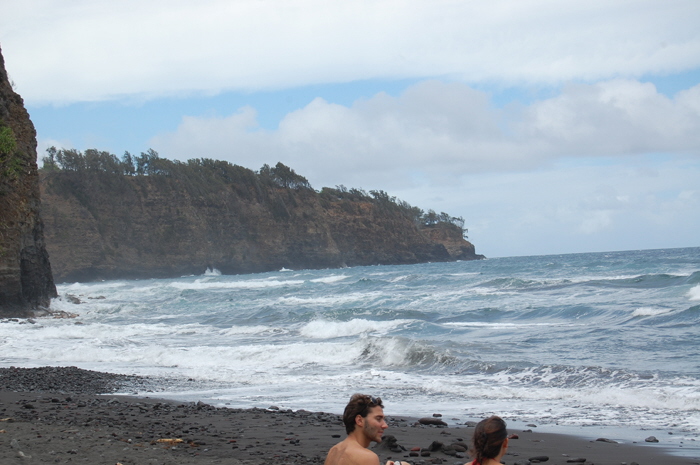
{"type": "Point", "coordinates": [68, 379]}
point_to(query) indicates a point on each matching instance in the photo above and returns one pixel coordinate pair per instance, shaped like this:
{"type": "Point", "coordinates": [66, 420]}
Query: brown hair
{"type": "Point", "coordinates": [359, 405]}
{"type": "Point", "coordinates": [488, 438]}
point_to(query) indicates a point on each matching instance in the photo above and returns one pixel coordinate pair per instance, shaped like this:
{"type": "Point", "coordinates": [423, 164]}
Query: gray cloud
{"type": "Point", "coordinates": [89, 50]}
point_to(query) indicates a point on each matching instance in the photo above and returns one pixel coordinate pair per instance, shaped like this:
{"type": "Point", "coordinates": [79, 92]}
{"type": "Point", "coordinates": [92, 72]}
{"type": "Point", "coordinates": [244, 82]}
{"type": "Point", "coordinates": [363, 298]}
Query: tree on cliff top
{"type": "Point", "coordinates": [203, 174]}
{"type": "Point", "coordinates": [284, 176]}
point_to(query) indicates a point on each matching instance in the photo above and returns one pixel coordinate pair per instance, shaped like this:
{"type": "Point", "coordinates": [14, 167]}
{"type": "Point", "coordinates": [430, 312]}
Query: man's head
{"type": "Point", "coordinates": [360, 405]}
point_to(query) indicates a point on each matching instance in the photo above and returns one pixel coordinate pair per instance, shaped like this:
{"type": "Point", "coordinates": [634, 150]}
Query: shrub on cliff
{"type": "Point", "coordinates": [7, 141]}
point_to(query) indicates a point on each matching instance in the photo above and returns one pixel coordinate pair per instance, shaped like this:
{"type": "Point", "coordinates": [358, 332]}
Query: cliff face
{"type": "Point", "coordinates": [109, 226]}
{"type": "Point", "coordinates": [26, 282]}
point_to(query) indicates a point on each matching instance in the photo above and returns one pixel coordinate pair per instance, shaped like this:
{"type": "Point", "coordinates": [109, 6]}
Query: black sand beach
{"type": "Point", "coordinates": [66, 415]}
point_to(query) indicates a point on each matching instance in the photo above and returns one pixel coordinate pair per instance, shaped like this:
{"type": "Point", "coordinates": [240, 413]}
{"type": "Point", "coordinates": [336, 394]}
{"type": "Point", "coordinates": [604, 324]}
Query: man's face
{"type": "Point", "coordinates": [374, 424]}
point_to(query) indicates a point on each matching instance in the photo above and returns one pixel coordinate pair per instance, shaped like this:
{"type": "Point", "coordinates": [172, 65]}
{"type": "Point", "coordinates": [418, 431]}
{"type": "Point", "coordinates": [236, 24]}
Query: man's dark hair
{"type": "Point", "coordinates": [359, 405]}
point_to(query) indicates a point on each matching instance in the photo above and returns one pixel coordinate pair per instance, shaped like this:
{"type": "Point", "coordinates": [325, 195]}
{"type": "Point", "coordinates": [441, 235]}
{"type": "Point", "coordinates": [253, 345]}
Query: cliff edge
{"type": "Point", "coordinates": [26, 282]}
{"type": "Point", "coordinates": [149, 217]}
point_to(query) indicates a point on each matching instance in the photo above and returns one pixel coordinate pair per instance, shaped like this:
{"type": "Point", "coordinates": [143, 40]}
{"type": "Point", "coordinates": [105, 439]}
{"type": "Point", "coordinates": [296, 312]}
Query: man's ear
{"type": "Point", "coordinates": [359, 420]}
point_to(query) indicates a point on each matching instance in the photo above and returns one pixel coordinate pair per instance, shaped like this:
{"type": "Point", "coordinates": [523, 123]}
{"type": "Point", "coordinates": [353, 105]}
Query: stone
{"type": "Point", "coordinates": [432, 421]}
{"type": "Point", "coordinates": [389, 442]}
{"type": "Point", "coordinates": [435, 446]}
{"type": "Point", "coordinates": [458, 447]}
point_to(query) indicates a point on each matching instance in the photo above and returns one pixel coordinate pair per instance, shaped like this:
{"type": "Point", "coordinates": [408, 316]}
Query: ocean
{"type": "Point", "coordinates": [593, 344]}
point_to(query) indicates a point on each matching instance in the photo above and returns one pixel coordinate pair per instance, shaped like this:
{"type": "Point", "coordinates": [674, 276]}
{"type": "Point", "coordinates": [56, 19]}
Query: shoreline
{"type": "Point", "coordinates": [83, 425]}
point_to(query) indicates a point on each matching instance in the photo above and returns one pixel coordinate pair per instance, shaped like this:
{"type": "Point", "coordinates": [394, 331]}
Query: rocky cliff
{"type": "Point", "coordinates": [26, 282]}
{"type": "Point", "coordinates": [106, 219]}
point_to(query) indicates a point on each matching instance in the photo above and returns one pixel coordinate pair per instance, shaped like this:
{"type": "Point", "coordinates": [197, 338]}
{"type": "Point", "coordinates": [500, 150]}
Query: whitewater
{"type": "Point", "coordinates": [600, 341]}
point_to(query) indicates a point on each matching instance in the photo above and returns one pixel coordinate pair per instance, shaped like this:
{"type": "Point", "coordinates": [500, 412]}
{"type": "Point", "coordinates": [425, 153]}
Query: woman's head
{"type": "Point", "coordinates": [489, 436]}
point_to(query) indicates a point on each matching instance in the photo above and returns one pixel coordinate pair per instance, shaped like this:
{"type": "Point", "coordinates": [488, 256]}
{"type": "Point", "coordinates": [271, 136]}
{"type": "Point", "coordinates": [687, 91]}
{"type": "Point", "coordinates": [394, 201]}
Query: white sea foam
{"type": "Point", "coordinates": [651, 311]}
{"type": "Point", "coordinates": [329, 279]}
{"type": "Point", "coordinates": [236, 330]}
{"type": "Point", "coordinates": [283, 338]}
{"type": "Point", "coordinates": [330, 299]}
{"type": "Point", "coordinates": [212, 272]}
{"type": "Point", "coordinates": [694, 292]}
{"type": "Point", "coordinates": [74, 288]}
{"type": "Point", "coordinates": [326, 329]}
{"type": "Point", "coordinates": [480, 324]}
{"type": "Point", "coordinates": [252, 284]}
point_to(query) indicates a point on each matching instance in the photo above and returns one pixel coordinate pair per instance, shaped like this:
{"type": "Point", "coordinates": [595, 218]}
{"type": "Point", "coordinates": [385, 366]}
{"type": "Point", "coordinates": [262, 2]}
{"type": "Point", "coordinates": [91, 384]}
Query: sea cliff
{"type": "Point", "coordinates": [149, 217]}
{"type": "Point", "coordinates": [26, 282]}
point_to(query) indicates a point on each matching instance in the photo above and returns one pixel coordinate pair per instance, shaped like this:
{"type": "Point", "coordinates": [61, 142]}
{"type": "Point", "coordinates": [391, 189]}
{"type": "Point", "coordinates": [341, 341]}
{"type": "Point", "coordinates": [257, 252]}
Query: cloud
{"type": "Point", "coordinates": [88, 50]}
{"type": "Point", "coordinates": [606, 166]}
{"type": "Point", "coordinates": [575, 206]}
{"type": "Point", "coordinates": [436, 132]}
{"type": "Point", "coordinates": [614, 117]}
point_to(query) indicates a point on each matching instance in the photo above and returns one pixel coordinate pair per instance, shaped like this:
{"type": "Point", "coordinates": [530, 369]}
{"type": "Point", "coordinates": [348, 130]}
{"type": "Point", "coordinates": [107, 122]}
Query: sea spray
{"type": "Point", "coordinates": [585, 339]}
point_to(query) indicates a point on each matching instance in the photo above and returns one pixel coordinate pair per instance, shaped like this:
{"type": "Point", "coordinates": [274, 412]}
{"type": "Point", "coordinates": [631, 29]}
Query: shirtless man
{"type": "Point", "coordinates": [364, 423]}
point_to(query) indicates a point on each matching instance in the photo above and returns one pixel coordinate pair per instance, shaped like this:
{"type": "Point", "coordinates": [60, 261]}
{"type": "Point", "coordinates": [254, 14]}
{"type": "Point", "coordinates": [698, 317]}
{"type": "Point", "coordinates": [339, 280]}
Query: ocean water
{"type": "Point", "coordinates": [608, 341]}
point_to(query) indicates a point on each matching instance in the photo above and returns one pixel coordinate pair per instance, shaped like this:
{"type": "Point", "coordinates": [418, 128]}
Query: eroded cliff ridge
{"type": "Point", "coordinates": [26, 282]}
{"type": "Point", "coordinates": [145, 217]}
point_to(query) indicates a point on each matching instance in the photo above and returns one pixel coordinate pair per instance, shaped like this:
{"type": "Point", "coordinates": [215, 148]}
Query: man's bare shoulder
{"type": "Point", "coordinates": [349, 452]}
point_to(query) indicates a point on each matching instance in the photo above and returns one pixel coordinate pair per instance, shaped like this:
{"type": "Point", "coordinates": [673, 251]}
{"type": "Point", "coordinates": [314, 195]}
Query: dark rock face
{"type": "Point", "coordinates": [26, 282]}
{"type": "Point", "coordinates": [112, 226]}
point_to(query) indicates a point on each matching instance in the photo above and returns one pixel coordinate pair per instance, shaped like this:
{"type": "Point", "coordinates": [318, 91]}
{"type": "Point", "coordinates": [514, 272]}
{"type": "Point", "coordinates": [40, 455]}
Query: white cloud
{"type": "Point", "coordinates": [575, 207]}
{"type": "Point", "coordinates": [85, 50]}
{"type": "Point", "coordinates": [619, 116]}
{"type": "Point", "coordinates": [579, 171]}
{"type": "Point", "coordinates": [436, 132]}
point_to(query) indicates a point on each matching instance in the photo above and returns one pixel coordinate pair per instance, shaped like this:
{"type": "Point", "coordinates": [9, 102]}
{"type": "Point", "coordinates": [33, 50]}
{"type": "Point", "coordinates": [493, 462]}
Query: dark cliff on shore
{"type": "Point", "coordinates": [26, 282]}
{"type": "Point", "coordinates": [149, 217]}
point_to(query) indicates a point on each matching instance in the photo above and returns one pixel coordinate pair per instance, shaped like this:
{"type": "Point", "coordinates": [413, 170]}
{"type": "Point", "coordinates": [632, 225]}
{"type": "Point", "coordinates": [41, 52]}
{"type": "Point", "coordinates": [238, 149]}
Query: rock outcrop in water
{"type": "Point", "coordinates": [26, 282]}
{"type": "Point", "coordinates": [150, 217]}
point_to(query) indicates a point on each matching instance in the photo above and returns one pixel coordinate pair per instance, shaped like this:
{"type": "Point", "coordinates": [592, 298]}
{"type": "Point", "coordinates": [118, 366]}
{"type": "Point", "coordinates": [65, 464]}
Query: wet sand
{"type": "Point", "coordinates": [43, 422]}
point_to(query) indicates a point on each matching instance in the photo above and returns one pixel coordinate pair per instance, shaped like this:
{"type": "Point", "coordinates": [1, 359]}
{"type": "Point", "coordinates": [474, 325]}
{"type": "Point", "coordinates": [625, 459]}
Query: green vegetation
{"type": "Point", "coordinates": [10, 162]}
{"type": "Point", "coordinates": [283, 176]}
{"type": "Point", "coordinates": [8, 144]}
{"type": "Point", "coordinates": [207, 177]}
{"type": "Point", "coordinates": [418, 216]}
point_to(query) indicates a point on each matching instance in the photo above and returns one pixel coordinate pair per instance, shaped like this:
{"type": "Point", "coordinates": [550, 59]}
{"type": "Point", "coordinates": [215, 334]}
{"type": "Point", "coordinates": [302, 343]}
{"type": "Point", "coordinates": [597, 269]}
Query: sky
{"type": "Point", "coordinates": [550, 126]}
